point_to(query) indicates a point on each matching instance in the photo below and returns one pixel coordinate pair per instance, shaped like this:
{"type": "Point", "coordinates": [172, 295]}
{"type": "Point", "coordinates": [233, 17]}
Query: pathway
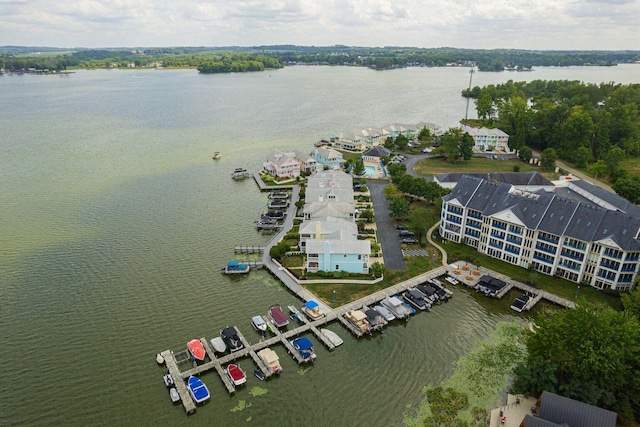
{"type": "Point", "coordinates": [391, 250]}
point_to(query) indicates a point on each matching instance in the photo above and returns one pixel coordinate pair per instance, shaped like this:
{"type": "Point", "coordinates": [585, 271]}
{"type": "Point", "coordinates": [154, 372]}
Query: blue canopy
{"type": "Point", "coordinates": [302, 343]}
{"type": "Point", "coordinates": [311, 304]}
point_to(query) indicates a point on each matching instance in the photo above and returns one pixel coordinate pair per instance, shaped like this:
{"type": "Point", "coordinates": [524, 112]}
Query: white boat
{"type": "Point", "coordinates": [218, 345]}
{"type": "Point", "coordinates": [332, 336]}
{"type": "Point", "coordinates": [168, 380]}
{"type": "Point", "coordinates": [198, 389]}
{"type": "Point", "coordinates": [236, 374]}
{"type": "Point", "coordinates": [395, 306]}
{"type": "Point", "coordinates": [259, 324]}
{"type": "Point", "coordinates": [312, 310]}
{"type": "Point", "coordinates": [159, 359]}
{"type": "Point", "coordinates": [174, 395]}
{"type": "Point", "coordinates": [216, 155]}
{"type": "Point", "coordinates": [388, 316]}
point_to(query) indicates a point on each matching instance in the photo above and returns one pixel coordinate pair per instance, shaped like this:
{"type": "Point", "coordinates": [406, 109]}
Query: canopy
{"type": "Point", "coordinates": [303, 343]}
{"type": "Point", "coordinates": [311, 304]}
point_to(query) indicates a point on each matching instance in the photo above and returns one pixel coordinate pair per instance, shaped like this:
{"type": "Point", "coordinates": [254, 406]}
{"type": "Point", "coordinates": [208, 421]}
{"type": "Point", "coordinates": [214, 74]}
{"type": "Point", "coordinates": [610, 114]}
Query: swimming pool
{"type": "Point", "coordinates": [370, 170]}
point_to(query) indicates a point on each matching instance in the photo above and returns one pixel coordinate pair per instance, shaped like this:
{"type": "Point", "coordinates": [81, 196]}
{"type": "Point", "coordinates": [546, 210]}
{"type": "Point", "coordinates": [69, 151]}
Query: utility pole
{"type": "Point", "coordinates": [471, 71]}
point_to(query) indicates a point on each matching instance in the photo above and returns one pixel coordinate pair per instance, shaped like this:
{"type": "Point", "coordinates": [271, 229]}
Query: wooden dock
{"type": "Point", "coordinates": [178, 379]}
{"type": "Point", "coordinates": [248, 249]}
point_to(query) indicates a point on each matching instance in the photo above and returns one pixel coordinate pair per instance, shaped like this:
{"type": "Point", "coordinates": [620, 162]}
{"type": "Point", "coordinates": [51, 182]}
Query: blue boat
{"type": "Point", "coordinates": [304, 347]}
{"type": "Point", "coordinates": [235, 267]}
{"type": "Point", "coordinates": [198, 390]}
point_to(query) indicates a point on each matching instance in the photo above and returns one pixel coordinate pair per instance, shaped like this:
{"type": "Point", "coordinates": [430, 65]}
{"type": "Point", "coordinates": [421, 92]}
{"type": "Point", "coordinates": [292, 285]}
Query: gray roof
{"type": "Point", "coordinates": [531, 421]}
{"type": "Point", "coordinates": [560, 409]}
{"type": "Point", "coordinates": [620, 203]}
{"type": "Point", "coordinates": [514, 178]}
{"type": "Point", "coordinates": [377, 151]}
{"type": "Point", "coordinates": [550, 213]}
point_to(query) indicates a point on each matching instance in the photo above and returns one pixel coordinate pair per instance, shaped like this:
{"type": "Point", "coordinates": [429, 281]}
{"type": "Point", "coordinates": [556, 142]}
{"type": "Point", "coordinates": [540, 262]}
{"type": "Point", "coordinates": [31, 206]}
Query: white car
{"type": "Point", "coordinates": [427, 150]}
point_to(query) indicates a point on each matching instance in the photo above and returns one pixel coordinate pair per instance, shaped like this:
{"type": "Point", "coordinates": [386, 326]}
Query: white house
{"type": "Point", "coordinates": [486, 139]}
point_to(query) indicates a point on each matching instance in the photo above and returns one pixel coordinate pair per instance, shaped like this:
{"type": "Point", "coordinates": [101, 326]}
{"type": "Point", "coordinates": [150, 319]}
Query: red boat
{"type": "Point", "coordinates": [196, 349]}
{"type": "Point", "coordinates": [277, 316]}
{"type": "Point", "coordinates": [236, 374]}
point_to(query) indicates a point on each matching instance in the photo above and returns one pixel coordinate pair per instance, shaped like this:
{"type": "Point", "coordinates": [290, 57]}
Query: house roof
{"type": "Point", "coordinates": [329, 227]}
{"type": "Point", "coordinates": [531, 421]}
{"type": "Point", "coordinates": [331, 194]}
{"type": "Point", "coordinates": [483, 131]}
{"type": "Point", "coordinates": [324, 209]}
{"type": "Point", "coordinates": [328, 153]}
{"type": "Point", "coordinates": [515, 178]}
{"type": "Point", "coordinates": [358, 247]}
{"type": "Point", "coordinates": [303, 157]}
{"type": "Point", "coordinates": [560, 409]}
{"type": "Point", "coordinates": [329, 179]}
{"type": "Point", "coordinates": [620, 203]}
{"type": "Point", "coordinates": [377, 151]}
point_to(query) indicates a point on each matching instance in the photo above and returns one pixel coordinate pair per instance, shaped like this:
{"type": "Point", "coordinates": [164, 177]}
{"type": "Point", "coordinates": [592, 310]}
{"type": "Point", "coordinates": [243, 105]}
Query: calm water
{"type": "Point", "coordinates": [115, 222]}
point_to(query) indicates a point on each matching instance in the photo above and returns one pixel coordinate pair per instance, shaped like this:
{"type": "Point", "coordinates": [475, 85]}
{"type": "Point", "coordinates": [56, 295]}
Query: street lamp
{"type": "Point", "coordinates": [577, 290]}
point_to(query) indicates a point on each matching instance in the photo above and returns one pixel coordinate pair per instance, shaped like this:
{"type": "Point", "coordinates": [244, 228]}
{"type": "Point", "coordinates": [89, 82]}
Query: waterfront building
{"type": "Point", "coordinates": [567, 236]}
{"type": "Point", "coordinates": [554, 410]}
{"type": "Point", "coordinates": [282, 165]}
{"type": "Point", "coordinates": [328, 158]}
{"type": "Point", "coordinates": [308, 164]}
{"type": "Point", "coordinates": [523, 181]}
{"type": "Point", "coordinates": [486, 139]}
{"type": "Point", "coordinates": [328, 233]}
{"type": "Point", "coordinates": [350, 141]}
{"type": "Point", "coordinates": [374, 154]}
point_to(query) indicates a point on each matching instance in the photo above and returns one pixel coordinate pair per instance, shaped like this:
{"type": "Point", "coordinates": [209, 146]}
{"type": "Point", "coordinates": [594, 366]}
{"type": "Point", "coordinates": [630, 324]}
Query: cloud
{"type": "Point", "coordinates": [528, 24]}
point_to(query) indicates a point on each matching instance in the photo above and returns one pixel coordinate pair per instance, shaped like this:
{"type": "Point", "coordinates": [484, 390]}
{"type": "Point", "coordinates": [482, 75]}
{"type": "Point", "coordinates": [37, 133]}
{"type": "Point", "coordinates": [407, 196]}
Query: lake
{"type": "Point", "coordinates": [115, 223]}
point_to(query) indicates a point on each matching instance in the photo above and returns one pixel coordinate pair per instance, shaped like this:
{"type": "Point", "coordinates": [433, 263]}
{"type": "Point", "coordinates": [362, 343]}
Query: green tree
{"type": "Point", "coordinates": [445, 405]}
{"type": "Point", "coordinates": [377, 269]}
{"type": "Point", "coordinates": [389, 143]}
{"type": "Point", "coordinates": [466, 146]}
{"type": "Point", "coordinates": [631, 302]}
{"type": "Point", "coordinates": [599, 169]}
{"type": "Point", "coordinates": [401, 142]}
{"type": "Point", "coordinates": [420, 219]}
{"type": "Point", "coordinates": [485, 107]}
{"type": "Point", "coordinates": [398, 207]}
{"type": "Point", "coordinates": [424, 135]}
{"type": "Point", "coordinates": [358, 167]}
{"type": "Point", "coordinates": [613, 158]}
{"type": "Point", "coordinates": [588, 353]}
{"type": "Point", "coordinates": [582, 156]}
{"type": "Point", "coordinates": [450, 145]}
{"type": "Point", "coordinates": [397, 171]}
{"type": "Point", "coordinates": [278, 251]}
{"type": "Point", "coordinates": [515, 119]}
{"type": "Point", "coordinates": [391, 191]}
{"type": "Point", "coordinates": [548, 159]}
{"type": "Point", "coordinates": [629, 188]}
{"type": "Point", "coordinates": [367, 215]}
{"type": "Point", "coordinates": [525, 153]}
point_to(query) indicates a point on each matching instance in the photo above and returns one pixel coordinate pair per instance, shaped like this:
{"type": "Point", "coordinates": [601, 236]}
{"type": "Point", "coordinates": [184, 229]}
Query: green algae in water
{"type": "Point", "coordinates": [258, 391]}
{"type": "Point", "coordinates": [249, 419]}
{"type": "Point", "coordinates": [241, 406]}
{"type": "Point", "coordinates": [303, 371]}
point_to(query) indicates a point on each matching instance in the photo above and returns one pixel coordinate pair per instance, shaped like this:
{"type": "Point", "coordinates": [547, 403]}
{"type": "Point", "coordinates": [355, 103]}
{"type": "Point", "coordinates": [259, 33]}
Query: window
{"type": "Point", "coordinates": [337, 267]}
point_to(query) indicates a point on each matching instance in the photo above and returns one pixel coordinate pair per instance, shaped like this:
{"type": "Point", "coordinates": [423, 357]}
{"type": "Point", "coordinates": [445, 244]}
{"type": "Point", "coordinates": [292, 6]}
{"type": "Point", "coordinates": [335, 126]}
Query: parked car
{"type": "Point", "coordinates": [405, 233]}
{"type": "Point", "coordinates": [410, 241]}
{"type": "Point", "coordinates": [400, 227]}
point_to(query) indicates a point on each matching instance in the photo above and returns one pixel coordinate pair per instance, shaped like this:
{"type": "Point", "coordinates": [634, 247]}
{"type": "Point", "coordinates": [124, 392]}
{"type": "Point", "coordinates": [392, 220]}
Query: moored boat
{"type": "Point", "coordinates": [271, 359]}
{"type": "Point", "coordinates": [416, 299]}
{"type": "Point", "coordinates": [358, 319]}
{"type": "Point", "coordinates": [218, 345]}
{"type": "Point", "coordinates": [198, 389]}
{"type": "Point", "coordinates": [196, 349]}
{"type": "Point", "coordinates": [216, 155]}
{"type": "Point", "coordinates": [277, 316]}
{"type": "Point", "coordinates": [259, 324]}
{"type": "Point", "coordinates": [174, 395]}
{"type": "Point", "coordinates": [375, 319]}
{"type": "Point", "coordinates": [305, 349]}
{"type": "Point", "coordinates": [240, 173]}
{"type": "Point", "coordinates": [312, 310]}
{"type": "Point", "coordinates": [231, 339]}
{"type": "Point", "coordinates": [159, 359]}
{"type": "Point", "coordinates": [168, 380]}
{"type": "Point", "coordinates": [295, 314]}
{"type": "Point", "coordinates": [332, 336]}
{"type": "Point", "coordinates": [520, 302]}
{"type": "Point", "coordinates": [384, 312]}
{"type": "Point", "coordinates": [236, 267]}
{"type": "Point", "coordinates": [395, 306]}
{"type": "Point", "coordinates": [259, 374]}
{"type": "Point", "coordinates": [278, 195]}
{"type": "Point", "coordinates": [278, 204]}
{"type": "Point", "coordinates": [236, 374]}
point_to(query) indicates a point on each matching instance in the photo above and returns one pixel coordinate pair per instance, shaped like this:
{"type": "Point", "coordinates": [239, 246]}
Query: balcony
{"type": "Point", "coordinates": [517, 231]}
{"type": "Point", "coordinates": [515, 251]}
{"type": "Point", "coordinates": [628, 269]}
{"type": "Point", "coordinates": [613, 255]}
{"type": "Point", "coordinates": [549, 239]}
{"type": "Point", "coordinates": [578, 246]}
{"type": "Point", "coordinates": [475, 216]}
{"type": "Point", "coordinates": [545, 249]}
{"type": "Point", "coordinates": [577, 257]}
{"type": "Point", "coordinates": [515, 241]}
{"type": "Point", "coordinates": [570, 266]}
{"type": "Point", "coordinates": [546, 260]}
{"type": "Point", "coordinates": [609, 265]}
{"type": "Point", "coordinates": [497, 235]}
{"type": "Point", "coordinates": [454, 219]}
{"type": "Point", "coordinates": [499, 226]}
{"type": "Point", "coordinates": [495, 245]}
{"type": "Point", "coordinates": [632, 258]}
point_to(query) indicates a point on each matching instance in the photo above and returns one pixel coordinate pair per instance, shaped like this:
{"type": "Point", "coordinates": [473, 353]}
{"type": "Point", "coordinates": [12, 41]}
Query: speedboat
{"type": "Point", "coordinates": [196, 349]}
{"type": "Point", "coordinates": [259, 324]}
{"type": "Point", "coordinates": [277, 316]}
{"type": "Point", "coordinates": [429, 292]}
{"type": "Point", "coordinates": [174, 395]}
{"type": "Point", "coordinates": [198, 389]}
{"type": "Point", "coordinates": [304, 347]}
{"type": "Point", "coordinates": [271, 359]}
{"type": "Point", "coordinates": [231, 339]}
{"type": "Point", "coordinates": [312, 310]}
{"type": "Point", "coordinates": [216, 155]}
{"type": "Point", "coordinates": [332, 336]}
{"type": "Point", "coordinates": [168, 380]}
{"type": "Point", "coordinates": [395, 306]}
{"type": "Point", "coordinates": [520, 302]}
{"type": "Point", "coordinates": [279, 214]}
{"type": "Point", "coordinates": [278, 204]}
{"type": "Point", "coordinates": [236, 374]}
{"type": "Point", "coordinates": [259, 374]}
{"type": "Point", "coordinates": [416, 299]}
{"type": "Point", "coordinates": [278, 195]}
{"type": "Point", "coordinates": [409, 307]}
{"type": "Point", "coordinates": [218, 345]}
{"type": "Point", "coordinates": [388, 316]}
{"type": "Point", "coordinates": [295, 314]}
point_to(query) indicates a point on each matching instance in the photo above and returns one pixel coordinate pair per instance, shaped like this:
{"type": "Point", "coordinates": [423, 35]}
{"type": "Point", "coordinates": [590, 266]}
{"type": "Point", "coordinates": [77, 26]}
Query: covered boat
{"type": "Point", "coordinates": [395, 306]}
{"type": "Point", "coordinates": [375, 319]}
{"type": "Point", "coordinates": [231, 339]}
{"type": "Point", "coordinates": [198, 389]}
{"type": "Point", "coordinates": [312, 310]}
{"type": "Point", "coordinates": [259, 324]}
{"type": "Point", "coordinates": [416, 299]}
{"type": "Point", "coordinates": [384, 312]}
{"type": "Point", "coordinates": [271, 359]}
{"type": "Point", "coordinates": [277, 316]}
{"type": "Point", "coordinates": [278, 204]}
{"type": "Point", "coordinates": [174, 395]}
{"type": "Point", "coordinates": [236, 374]}
{"type": "Point", "coordinates": [304, 347]}
{"type": "Point", "coordinates": [520, 302]}
{"type": "Point", "coordinates": [236, 267]}
{"type": "Point", "coordinates": [278, 195]}
{"type": "Point", "coordinates": [168, 380]}
{"type": "Point", "coordinates": [218, 345]}
{"type": "Point", "coordinates": [196, 349]}
{"type": "Point", "coordinates": [332, 336]}
{"type": "Point", "coordinates": [358, 319]}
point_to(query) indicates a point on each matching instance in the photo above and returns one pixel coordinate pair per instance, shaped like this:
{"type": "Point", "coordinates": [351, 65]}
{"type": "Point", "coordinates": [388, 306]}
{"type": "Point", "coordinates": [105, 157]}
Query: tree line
{"type": "Point", "coordinates": [592, 126]}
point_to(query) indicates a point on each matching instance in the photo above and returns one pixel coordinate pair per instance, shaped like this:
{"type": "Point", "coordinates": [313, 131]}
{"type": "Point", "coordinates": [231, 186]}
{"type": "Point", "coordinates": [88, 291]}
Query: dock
{"type": "Point", "coordinates": [248, 249]}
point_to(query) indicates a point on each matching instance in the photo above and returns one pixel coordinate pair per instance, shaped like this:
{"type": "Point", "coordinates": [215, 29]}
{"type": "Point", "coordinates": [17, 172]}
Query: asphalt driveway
{"type": "Point", "coordinates": [391, 251]}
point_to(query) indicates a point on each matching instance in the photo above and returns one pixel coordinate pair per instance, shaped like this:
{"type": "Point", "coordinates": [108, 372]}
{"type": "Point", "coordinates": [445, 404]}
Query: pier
{"type": "Point", "coordinates": [248, 249]}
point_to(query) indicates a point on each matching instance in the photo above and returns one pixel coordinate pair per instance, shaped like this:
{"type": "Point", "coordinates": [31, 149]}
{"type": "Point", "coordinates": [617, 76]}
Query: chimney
{"type": "Point", "coordinates": [318, 230]}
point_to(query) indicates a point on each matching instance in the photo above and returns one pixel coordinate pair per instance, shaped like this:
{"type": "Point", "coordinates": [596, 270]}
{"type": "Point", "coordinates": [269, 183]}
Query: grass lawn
{"type": "Point", "coordinates": [436, 165]}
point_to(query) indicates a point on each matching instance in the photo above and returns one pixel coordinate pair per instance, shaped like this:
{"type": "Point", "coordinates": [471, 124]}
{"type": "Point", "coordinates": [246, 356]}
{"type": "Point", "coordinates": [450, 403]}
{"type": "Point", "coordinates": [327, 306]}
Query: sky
{"type": "Point", "coordinates": [482, 24]}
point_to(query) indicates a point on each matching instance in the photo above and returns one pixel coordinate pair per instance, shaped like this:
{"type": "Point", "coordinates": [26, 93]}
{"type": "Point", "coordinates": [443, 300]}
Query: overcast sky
{"type": "Point", "coordinates": [486, 24]}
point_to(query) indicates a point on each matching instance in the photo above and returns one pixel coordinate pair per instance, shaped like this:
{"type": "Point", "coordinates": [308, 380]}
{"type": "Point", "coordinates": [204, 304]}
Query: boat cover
{"type": "Point", "coordinates": [198, 389]}
{"type": "Point", "coordinates": [196, 349]}
{"type": "Point", "coordinates": [311, 304]}
{"type": "Point", "coordinates": [229, 332]}
{"type": "Point", "coordinates": [302, 343]}
{"type": "Point", "coordinates": [278, 316]}
{"type": "Point", "coordinates": [235, 372]}
{"type": "Point", "coordinates": [269, 356]}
